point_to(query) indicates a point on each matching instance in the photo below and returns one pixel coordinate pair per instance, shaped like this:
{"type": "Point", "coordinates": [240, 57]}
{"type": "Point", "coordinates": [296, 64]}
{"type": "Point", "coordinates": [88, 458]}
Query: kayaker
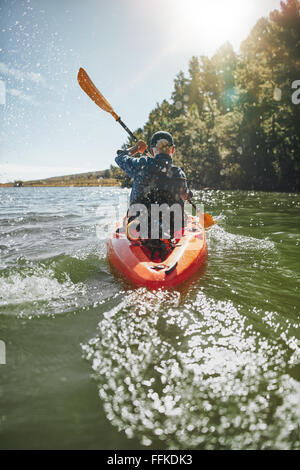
{"type": "Point", "coordinates": [156, 180]}
{"type": "Point", "coordinates": [150, 174]}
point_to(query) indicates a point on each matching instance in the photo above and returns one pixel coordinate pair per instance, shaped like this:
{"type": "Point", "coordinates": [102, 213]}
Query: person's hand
{"type": "Point", "coordinates": [142, 146]}
{"type": "Point", "coordinates": [139, 147]}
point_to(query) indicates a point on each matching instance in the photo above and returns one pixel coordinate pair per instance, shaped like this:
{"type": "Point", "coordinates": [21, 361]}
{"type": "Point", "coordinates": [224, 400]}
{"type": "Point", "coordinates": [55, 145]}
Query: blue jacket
{"type": "Point", "coordinates": [144, 170]}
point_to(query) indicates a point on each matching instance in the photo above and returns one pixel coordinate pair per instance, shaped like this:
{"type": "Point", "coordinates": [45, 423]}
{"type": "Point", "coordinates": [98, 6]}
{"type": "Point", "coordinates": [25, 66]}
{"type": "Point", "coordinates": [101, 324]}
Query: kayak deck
{"type": "Point", "coordinates": [131, 260]}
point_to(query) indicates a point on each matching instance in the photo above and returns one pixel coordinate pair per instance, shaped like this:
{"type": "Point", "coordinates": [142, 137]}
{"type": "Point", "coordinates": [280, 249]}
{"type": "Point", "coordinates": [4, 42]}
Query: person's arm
{"type": "Point", "coordinates": [186, 193]}
{"type": "Point", "coordinates": [125, 161]}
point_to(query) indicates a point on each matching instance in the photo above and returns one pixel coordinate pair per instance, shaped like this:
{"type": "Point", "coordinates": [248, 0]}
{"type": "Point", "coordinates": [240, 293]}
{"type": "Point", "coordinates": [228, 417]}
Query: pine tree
{"type": "Point", "coordinates": [232, 118]}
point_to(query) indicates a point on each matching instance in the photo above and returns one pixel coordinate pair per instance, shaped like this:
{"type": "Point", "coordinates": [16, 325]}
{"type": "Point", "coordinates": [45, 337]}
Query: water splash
{"type": "Point", "coordinates": [193, 375]}
{"type": "Point", "coordinates": [38, 291]}
{"type": "Point", "coordinates": [55, 285]}
{"type": "Point", "coordinates": [220, 240]}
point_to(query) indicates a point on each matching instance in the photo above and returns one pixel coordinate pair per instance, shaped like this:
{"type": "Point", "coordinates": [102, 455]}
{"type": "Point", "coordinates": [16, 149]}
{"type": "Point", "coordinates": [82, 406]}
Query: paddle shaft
{"type": "Point", "coordinates": [193, 206]}
{"type": "Point", "coordinates": [119, 120]}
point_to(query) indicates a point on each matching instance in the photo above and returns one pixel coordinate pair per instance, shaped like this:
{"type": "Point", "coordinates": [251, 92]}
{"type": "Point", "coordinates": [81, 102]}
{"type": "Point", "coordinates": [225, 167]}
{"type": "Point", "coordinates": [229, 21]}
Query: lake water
{"type": "Point", "coordinates": [94, 363]}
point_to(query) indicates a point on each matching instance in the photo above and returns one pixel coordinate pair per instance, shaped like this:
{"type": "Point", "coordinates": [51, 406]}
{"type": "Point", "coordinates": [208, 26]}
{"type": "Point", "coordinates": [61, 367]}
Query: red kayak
{"type": "Point", "coordinates": [135, 262]}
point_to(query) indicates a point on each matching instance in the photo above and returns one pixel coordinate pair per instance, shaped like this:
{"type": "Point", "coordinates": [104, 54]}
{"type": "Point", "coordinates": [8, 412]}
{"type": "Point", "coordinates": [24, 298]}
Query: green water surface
{"type": "Point", "coordinates": [94, 363]}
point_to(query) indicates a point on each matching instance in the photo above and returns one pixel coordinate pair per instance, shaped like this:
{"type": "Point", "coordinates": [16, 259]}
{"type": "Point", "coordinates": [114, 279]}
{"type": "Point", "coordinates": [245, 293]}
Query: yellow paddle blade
{"type": "Point", "coordinates": [208, 221]}
{"type": "Point", "coordinates": [92, 91]}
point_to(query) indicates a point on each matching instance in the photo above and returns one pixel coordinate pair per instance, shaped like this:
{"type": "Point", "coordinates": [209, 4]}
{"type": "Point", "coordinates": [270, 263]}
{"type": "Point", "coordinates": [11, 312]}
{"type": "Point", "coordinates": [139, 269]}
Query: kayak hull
{"type": "Point", "coordinates": [130, 259]}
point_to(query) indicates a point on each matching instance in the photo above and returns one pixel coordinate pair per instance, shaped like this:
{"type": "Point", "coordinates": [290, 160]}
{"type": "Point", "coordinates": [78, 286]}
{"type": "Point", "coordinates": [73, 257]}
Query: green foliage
{"type": "Point", "coordinates": [232, 117]}
{"type": "Point", "coordinates": [119, 175]}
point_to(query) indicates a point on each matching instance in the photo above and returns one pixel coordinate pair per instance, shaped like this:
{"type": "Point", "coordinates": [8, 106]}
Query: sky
{"type": "Point", "coordinates": [132, 50]}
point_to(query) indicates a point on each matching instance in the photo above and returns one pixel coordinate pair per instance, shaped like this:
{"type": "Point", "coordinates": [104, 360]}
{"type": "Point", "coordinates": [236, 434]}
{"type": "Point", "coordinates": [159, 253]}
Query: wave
{"type": "Point", "coordinates": [219, 239]}
{"type": "Point", "coordinates": [54, 286]}
{"type": "Point", "coordinates": [40, 290]}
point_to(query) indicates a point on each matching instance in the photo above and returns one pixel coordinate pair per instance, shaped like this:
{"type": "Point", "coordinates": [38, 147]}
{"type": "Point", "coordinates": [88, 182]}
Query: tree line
{"type": "Point", "coordinates": [232, 116]}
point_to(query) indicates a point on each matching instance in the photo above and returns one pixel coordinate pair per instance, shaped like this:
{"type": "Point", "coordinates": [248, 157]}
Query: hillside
{"type": "Point", "coordinates": [93, 178]}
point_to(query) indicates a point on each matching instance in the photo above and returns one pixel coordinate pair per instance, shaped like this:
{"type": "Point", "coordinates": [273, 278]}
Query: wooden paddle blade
{"type": "Point", "coordinates": [92, 91]}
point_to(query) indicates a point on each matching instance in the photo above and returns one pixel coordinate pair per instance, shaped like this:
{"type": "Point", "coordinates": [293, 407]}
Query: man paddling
{"type": "Point", "coordinates": [155, 180]}
{"type": "Point", "coordinates": [156, 183]}
{"type": "Point", "coordinates": [140, 170]}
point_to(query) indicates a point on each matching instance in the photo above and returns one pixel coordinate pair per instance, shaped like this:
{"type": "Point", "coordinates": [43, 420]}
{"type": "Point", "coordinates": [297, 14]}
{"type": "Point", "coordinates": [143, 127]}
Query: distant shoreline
{"type": "Point", "coordinates": [63, 182]}
{"type": "Point", "coordinates": [92, 178]}
{"type": "Point", "coordinates": [78, 185]}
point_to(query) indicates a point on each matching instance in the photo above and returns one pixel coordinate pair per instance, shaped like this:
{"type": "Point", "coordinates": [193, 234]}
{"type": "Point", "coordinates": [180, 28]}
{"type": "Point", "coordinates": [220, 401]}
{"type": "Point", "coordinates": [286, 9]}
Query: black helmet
{"type": "Point", "coordinates": [161, 135]}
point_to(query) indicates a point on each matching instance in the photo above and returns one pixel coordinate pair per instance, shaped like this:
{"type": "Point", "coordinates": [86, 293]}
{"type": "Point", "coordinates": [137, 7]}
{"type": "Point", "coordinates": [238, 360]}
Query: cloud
{"type": "Point", "coordinates": [21, 75]}
{"type": "Point", "coordinates": [20, 94]}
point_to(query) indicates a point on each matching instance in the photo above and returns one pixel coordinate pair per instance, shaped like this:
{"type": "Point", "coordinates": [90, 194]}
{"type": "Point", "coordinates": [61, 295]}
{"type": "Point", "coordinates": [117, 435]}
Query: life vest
{"type": "Point", "coordinates": [163, 186]}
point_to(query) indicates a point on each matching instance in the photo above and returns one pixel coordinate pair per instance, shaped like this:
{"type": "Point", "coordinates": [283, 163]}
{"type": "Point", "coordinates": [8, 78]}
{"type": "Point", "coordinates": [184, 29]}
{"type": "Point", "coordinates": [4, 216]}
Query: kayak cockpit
{"type": "Point", "coordinates": [158, 263]}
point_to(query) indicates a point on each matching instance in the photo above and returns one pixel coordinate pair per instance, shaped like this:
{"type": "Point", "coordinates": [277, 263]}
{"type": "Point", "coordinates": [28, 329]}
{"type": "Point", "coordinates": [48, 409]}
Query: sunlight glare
{"type": "Point", "coordinates": [198, 21]}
